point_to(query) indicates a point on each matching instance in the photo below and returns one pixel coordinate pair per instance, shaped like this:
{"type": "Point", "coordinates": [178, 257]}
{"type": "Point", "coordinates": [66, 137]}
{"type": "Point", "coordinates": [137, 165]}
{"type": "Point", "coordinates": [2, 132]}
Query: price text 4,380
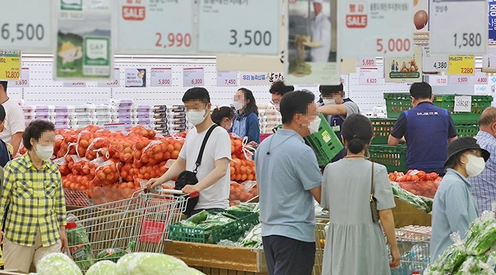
{"type": "Point", "coordinates": [257, 38]}
{"type": "Point", "coordinates": [22, 31]}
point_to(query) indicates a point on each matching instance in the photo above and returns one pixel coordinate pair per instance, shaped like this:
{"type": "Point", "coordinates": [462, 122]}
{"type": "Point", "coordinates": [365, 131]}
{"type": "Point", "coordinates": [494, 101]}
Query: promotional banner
{"type": "Point", "coordinates": [10, 65]}
{"type": "Point", "coordinates": [404, 69]}
{"type": "Point", "coordinates": [136, 78]}
{"type": "Point", "coordinates": [461, 65]}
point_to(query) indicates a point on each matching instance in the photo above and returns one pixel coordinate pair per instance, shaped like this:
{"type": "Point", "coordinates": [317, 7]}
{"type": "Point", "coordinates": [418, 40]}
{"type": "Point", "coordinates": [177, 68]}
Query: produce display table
{"type": "Point", "coordinates": [218, 259]}
{"type": "Point", "coordinates": [405, 214]}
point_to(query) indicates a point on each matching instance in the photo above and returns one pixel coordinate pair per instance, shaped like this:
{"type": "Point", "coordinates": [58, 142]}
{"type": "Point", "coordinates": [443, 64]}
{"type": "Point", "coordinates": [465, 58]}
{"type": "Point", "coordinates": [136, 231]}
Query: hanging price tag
{"type": "Point", "coordinates": [366, 62]}
{"type": "Point", "coordinates": [239, 36]}
{"type": "Point", "coordinates": [461, 65]}
{"type": "Point", "coordinates": [434, 62]}
{"type": "Point", "coordinates": [368, 78]}
{"type": "Point", "coordinates": [10, 65]}
{"type": "Point", "coordinates": [156, 26]}
{"type": "Point", "coordinates": [193, 77]}
{"type": "Point", "coordinates": [161, 77]}
{"type": "Point", "coordinates": [23, 82]}
{"type": "Point", "coordinates": [226, 79]}
{"type": "Point", "coordinates": [479, 79]}
{"type": "Point", "coordinates": [75, 84]}
{"type": "Point", "coordinates": [459, 79]}
{"type": "Point", "coordinates": [115, 82]}
{"type": "Point", "coordinates": [463, 104]}
{"type": "Point", "coordinates": [374, 28]}
{"type": "Point", "coordinates": [450, 34]}
{"type": "Point", "coordinates": [438, 80]}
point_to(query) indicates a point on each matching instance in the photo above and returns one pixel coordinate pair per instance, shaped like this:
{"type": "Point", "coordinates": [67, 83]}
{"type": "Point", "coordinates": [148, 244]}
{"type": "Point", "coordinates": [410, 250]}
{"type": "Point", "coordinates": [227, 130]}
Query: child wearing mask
{"type": "Point", "coordinates": [223, 116]}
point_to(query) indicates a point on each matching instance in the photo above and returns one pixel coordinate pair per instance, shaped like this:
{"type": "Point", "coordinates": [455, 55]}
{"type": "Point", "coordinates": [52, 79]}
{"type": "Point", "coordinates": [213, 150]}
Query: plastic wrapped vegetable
{"type": "Point", "coordinates": [451, 259]}
{"type": "Point", "coordinates": [79, 244]}
{"type": "Point", "coordinates": [482, 235]}
{"type": "Point", "coordinates": [102, 268]}
{"type": "Point", "coordinates": [245, 207]}
{"type": "Point", "coordinates": [57, 264]}
{"type": "Point", "coordinates": [254, 238]}
{"type": "Point", "coordinates": [141, 263]}
{"type": "Point", "coordinates": [422, 203]}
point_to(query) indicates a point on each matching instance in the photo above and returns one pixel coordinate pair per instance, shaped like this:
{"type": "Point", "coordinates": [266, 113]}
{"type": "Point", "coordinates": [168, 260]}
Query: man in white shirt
{"type": "Point", "coordinates": [14, 120]}
{"type": "Point", "coordinates": [321, 34]}
{"type": "Point", "coordinates": [213, 173]}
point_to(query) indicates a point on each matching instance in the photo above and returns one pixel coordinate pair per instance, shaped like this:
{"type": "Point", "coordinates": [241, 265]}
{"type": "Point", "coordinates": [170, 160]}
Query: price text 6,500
{"type": "Point", "coordinates": [23, 31]}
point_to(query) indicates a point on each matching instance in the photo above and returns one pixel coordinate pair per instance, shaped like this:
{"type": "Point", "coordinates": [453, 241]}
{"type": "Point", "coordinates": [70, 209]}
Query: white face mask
{"type": "Point", "coordinates": [314, 125]}
{"type": "Point", "coordinates": [475, 165]}
{"type": "Point", "coordinates": [44, 152]}
{"type": "Point", "coordinates": [237, 105]}
{"type": "Point", "coordinates": [329, 101]}
{"type": "Point", "coordinates": [195, 117]}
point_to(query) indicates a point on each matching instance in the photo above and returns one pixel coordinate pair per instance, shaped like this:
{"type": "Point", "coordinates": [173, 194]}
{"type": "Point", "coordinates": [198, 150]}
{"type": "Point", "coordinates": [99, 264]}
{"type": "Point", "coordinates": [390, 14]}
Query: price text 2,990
{"type": "Point", "coordinates": [257, 38]}
{"type": "Point", "coordinates": [22, 32]}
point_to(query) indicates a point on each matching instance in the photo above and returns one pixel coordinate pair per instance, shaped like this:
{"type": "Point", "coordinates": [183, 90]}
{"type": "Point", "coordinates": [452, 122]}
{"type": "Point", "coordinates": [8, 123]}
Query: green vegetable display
{"type": "Point", "coordinates": [245, 207]}
{"type": "Point", "coordinates": [105, 267]}
{"type": "Point", "coordinates": [482, 241]}
{"type": "Point", "coordinates": [79, 245]}
{"type": "Point", "coordinates": [141, 263]}
{"type": "Point", "coordinates": [57, 264]}
{"type": "Point", "coordinates": [254, 238]}
{"type": "Point", "coordinates": [421, 203]}
{"type": "Point", "coordinates": [112, 254]}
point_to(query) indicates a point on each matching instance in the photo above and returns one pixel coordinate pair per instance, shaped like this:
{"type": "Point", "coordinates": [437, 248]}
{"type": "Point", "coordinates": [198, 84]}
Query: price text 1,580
{"type": "Point", "coordinates": [256, 38]}
{"type": "Point", "coordinates": [22, 31]}
{"type": "Point", "coordinates": [467, 39]}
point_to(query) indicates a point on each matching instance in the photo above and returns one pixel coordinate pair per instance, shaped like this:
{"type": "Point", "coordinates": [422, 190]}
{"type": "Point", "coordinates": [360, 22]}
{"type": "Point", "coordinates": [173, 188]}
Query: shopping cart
{"type": "Point", "coordinates": [413, 243]}
{"type": "Point", "coordinates": [136, 224]}
{"type": "Point", "coordinates": [320, 238]}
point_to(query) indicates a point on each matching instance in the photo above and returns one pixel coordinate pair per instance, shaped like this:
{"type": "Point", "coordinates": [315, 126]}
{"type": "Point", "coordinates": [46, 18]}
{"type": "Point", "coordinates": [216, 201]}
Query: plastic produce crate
{"type": "Point", "coordinates": [382, 129]}
{"type": "Point", "coordinates": [479, 103]}
{"type": "Point", "coordinates": [230, 231]}
{"type": "Point", "coordinates": [397, 103]}
{"type": "Point", "coordinates": [393, 157]}
{"type": "Point", "coordinates": [324, 143]}
{"type": "Point", "coordinates": [467, 130]}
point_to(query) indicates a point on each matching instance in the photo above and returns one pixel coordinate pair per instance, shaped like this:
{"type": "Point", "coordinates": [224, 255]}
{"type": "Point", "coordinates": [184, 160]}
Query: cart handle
{"type": "Point", "coordinates": [174, 192]}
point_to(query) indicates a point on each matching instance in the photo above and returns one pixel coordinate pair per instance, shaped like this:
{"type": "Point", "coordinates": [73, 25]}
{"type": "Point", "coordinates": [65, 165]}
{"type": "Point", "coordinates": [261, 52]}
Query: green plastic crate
{"type": "Point", "coordinates": [324, 143]}
{"type": "Point", "coordinates": [479, 103]}
{"type": "Point", "coordinates": [397, 103]}
{"type": "Point", "coordinates": [382, 129]}
{"type": "Point", "coordinates": [231, 231]}
{"type": "Point", "coordinates": [467, 130]}
{"type": "Point", "coordinates": [393, 157]}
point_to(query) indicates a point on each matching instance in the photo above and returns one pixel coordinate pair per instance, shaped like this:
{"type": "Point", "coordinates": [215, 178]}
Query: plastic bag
{"type": "Point", "coordinates": [153, 153]}
{"type": "Point", "coordinates": [481, 234]}
{"type": "Point", "coordinates": [254, 237]}
{"type": "Point", "coordinates": [422, 203]}
{"type": "Point", "coordinates": [97, 148]}
{"type": "Point", "coordinates": [106, 173]}
{"type": "Point", "coordinates": [79, 244]}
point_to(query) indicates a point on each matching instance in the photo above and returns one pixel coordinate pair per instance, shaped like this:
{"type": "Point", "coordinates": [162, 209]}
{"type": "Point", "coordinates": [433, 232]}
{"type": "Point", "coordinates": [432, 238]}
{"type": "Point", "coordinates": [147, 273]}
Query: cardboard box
{"type": "Point", "coordinates": [10, 272]}
{"type": "Point", "coordinates": [406, 214]}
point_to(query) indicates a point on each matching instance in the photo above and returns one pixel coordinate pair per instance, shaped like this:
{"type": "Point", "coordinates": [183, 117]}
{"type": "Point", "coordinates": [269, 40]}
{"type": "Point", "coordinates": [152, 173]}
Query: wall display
{"type": "Point", "coordinates": [10, 65]}
{"type": "Point", "coordinates": [23, 81]}
{"type": "Point", "coordinates": [375, 28]}
{"type": "Point", "coordinates": [27, 25]}
{"type": "Point", "coordinates": [84, 40]}
{"type": "Point", "coordinates": [160, 77]}
{"type": "Point", "coordinates": [156, 26]}
{"type": "Point", "coordinates": [113, 83]}
{"type": "Point", "coordinates": [227, 79]}
{"type": "Point", "coordinates": [193, 77]}
{"type": "Point", "coordinates": [434, 62]}
{"type": "Point", "coordinates": [449, 34]}
{"type": "Point", "coordinates": [461, 65]}
{"type": "Point", "coordinates": [310, 45]}
{"type": "Point", "coordinates": [421, 15]}
{"type": "Point", "coordinates": [404, 69]}
{"type": "Point", "coordinates": [136, 77]}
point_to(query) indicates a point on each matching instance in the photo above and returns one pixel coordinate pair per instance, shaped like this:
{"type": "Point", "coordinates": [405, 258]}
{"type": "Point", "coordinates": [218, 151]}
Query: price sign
{"type": "Point", "coordinates": [479, 79]}
{"type": "Point", "coordinates": [434, 62]}
{"type": "Point", "coordinates": [253, 78]}
{"type": "Point", "coordinates": [368, 78]}
{"type": "Point", "coordinates": [366, 62]}
{"type": "Point", "coordinates": [115, 127]}
{"type": "Point", "coordinates": [375, 28]}
{"type": "Point", "coordinates": [438, 80]}
{"type": "Point", "coordinates": [463, 104]}
{"type": "Point", "coordinates": [161, 77]}
{"type": "Point", "coordinates": [461, 65]}
{"type": "Point", "coordinates": [492, 20]}
{"type": "Point", "coordinates": [227, 79]}
{"type": "Point", "coordinates": [23, 82]}
{"type": "Point", "coordinates": [156, 26]}
{"type": "Point", "coordinates": [239, 36]}
{"type": "Point", "coordinates": [75, 84]}
{"type": "Point", "coordinates": [115, 82]}
{"type": "Point", "coordinates": [193, 77]}
{"type": "Point", "coordinates": [135, 77]}
{"type": "Point", "coordinates": [459, 79]}
{"type": "Point", "coordinates": [10, 65]}
{"type": "Point", "coordinates": [26, 25]}
{"type": "Point", "coordinates": [449, 34]}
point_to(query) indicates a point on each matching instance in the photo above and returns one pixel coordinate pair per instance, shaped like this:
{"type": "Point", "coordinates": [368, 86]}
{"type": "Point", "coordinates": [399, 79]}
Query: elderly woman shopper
{"type": "Point", "coordinates": [32, 206]}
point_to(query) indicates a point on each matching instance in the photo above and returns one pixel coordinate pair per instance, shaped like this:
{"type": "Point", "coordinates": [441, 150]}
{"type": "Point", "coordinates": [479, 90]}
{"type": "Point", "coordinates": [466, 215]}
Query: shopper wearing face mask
{"type": "Point", "coordinates": [336, 108]}
{"type": "Point", "coordinates": [32, 207]}
{"type": "Point", "coordinates": [454, 206]}
{"type": "Point", "coordinates": [223, 116]}
{"type": "Point", "coordinates": [289, 179]}
{"type": "Point", "coordinates": [246, 122]}
{"type": "Point", "coordinates": [277, 91]}
{"type": "Point", "coordinates": [213, 173]}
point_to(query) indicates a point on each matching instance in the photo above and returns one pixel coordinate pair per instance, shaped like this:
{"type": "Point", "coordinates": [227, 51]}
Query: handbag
{"type": "Point", "coordinates": [189, 177]}
{"type": "Point", "coordinates": [373, 200]}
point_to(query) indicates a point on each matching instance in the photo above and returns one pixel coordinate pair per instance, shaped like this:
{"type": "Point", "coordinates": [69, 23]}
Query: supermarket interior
{"type": "Point", "coordinates": [248, 137]}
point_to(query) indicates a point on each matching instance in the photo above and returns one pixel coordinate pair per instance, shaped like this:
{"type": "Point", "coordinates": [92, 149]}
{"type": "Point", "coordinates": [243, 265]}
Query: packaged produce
{"type": "Point", "coordinates": [452, 258]}
{"type": "Point", "coordinates": [141, 263]}
{"type": "Point", "coordinates": [57, 264]}
{"type": "Point", "coordinates": [417, 182]}
{"type": "Point", "coordinates": [247, 207]}
{"type": "Point", "coordinates": [79, 244]}
{"type": "Point", "coordinates": [421, 203]}
{"type": "Point", "coordinates": [112, 254]}
{"type": "Point", "coordinates": [254, 237]}
{"type": "Point", "coordinates": [105, 267]}
{"type": "Point", "coordinates": [483, 240]}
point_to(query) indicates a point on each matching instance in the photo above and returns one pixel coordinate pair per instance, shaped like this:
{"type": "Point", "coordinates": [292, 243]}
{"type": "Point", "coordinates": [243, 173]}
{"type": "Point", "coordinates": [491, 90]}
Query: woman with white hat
{"type": "Point", "coordinates": [454, 206]}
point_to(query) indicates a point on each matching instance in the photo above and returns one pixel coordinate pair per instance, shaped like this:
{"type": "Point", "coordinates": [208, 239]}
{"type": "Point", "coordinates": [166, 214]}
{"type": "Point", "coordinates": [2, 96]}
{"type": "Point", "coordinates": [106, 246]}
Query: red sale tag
{"type": "Point", "coordinates": [134, 11]}
{"type": "Point", "coordinates": [356, 16]}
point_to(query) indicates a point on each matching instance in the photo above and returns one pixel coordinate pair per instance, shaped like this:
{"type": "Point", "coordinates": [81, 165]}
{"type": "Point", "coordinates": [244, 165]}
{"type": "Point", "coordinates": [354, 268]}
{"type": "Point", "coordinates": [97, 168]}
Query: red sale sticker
{"type": "Point", "coordinates": [356, 16]}
{"type": "Point", "coordinates": [134, 13]}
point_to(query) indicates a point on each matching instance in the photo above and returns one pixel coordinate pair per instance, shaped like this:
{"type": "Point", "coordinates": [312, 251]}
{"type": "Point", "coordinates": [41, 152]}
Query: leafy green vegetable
{"type": "Point", "coordinates": [420, 202]}
{"type": "Point", "coordinates": [102, 268]}
{"type": "Point", "coordinates": [141, 263]}
{"type": "Point", "coordinates": [254, 238]}
{"type": "Point", "coordinates": [199, 218]}
{"type": "Point", "coordinates": [57, 264]}
{"type": "Point", "coordinates": [483, 241]}
{"type": "Point", "coordinates": [80, 247]}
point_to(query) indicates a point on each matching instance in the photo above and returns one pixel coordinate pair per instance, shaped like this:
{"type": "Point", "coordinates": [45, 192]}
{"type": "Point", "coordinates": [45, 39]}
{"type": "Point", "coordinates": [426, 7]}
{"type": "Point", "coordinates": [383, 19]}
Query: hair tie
{"type": "Point", "coordinates": [218, 108]}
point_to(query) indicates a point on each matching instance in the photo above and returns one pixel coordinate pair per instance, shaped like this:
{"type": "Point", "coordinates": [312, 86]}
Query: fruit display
{"type": "Point", "coordinates": [417, 182]}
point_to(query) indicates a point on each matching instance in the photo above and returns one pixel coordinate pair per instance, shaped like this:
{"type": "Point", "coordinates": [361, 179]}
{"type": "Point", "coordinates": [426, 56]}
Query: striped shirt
{"type": "Point", "coordinates": [32, 199]}
{"type": "Point", "coordinates": [484, 184]}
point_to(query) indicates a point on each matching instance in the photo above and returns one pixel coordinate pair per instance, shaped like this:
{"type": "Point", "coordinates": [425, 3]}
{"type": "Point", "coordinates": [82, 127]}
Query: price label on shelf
{"type": "Point", "coordinates": [26, 25]}
{"type": "Point", "coordinates": [479, 79]}
{"type": "Point", "coordinates": [114, 83]}
{"type": "Point", "coordinates": [227, 78]}
{"type": "Point", "coordinates": [156, 26]}
{"type": "Point", "coordinates": [366, 62]}
{"type": "Point", "coordinates": [438, 80]}
{"type": "Point", "coordinates": [161, 77]}
{"type": "Point", "coordinates": [193, 77]}
{"type": "Point", "coordinates": [369, 28]}
{"type": "Point", "coordinates": [460, 79]}
{"type": "Point", "coordinates": [368, 78]}
{"type": "Point", "coordinates": [23, 82]}
{"type": "Point", "coordinates": [75, 84]}
{"type": "Point", "coordinates": [461, 65]}
{"type": "Point", "coordinates": [10, 65]}
{"type": "Point", "coordinates": [434, 62]}
{"type": "Point", "coordinates": [259, 37]}
{"type": "Point", "coordinates": [463, 104]}
{"type": "Point", "coordinates": [451, 34]}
